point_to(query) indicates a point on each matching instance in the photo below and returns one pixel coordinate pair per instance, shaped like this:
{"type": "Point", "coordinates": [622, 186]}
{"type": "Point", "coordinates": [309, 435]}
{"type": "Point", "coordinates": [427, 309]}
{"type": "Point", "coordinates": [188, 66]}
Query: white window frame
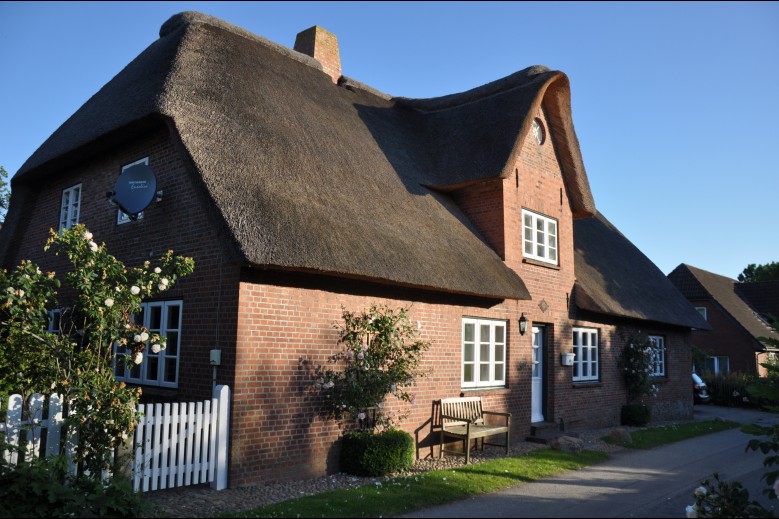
{"type": "Point", "coordinates": [70, 207]}
{"type": "Point", "coordinates": [171, 354]}
{"type": "Point", "coordinates": [121, 216]}
{"type": "Point", "coordinates": [702, 310]}
{"type": "Point", "coordinates": [586, 364]}
{"type": "Point", "coordinates": [55, 321]}
{"type": "Point", "coordinates": [658, 355]}
{"type": "Point", "coordinates": [472, 357]}
{"type": "Point", "coordinates": [540, 237]}
{"type": "Point", "coordinates": [720, 363]}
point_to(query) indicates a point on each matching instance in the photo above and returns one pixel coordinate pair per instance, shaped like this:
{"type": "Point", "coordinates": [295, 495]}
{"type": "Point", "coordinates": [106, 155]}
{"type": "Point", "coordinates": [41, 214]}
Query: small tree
{"type": "Point", "coordinates": [5, 193]}
{"type": "Point", "coordinates": [637, 365]}
{"type": "Point", "coordinates": [77, 359]}
{"type": "Point", "coordinates": [380, 356]}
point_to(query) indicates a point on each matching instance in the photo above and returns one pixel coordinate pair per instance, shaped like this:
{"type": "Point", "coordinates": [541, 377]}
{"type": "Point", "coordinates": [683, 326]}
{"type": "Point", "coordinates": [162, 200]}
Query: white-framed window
{"type": "Point", "coordinates": [70, 207]}
{"type": "Point", "coordinates": [585, 346]}
{"type": "Point", "coordinates": [702, 310]}
{"type": "Point", "coordinates": [121, 216]}
{"type": "Point", "coordinates": [484, 352]}
{"type": "Point", "coordinates": [539, 237]}
{"type": "Point", "coordinates": [157, 369]}
{"type": "Point", "coordinates": [719, 365]}
{"type": "Point", "coordinates": [55, 321]}
{"type": "Point", "coordinates": [658, 355]}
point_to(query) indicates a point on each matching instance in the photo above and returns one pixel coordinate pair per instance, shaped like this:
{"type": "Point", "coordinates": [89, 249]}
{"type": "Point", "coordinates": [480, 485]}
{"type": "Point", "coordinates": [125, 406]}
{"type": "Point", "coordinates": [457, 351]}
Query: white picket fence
{"type": "Point", "coordinates": [175, 444]}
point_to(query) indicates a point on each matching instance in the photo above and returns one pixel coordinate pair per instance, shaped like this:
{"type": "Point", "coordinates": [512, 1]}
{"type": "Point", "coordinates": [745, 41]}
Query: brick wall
{"type": "Point", "coordinates": [726, 338]}
{"type": "Point", "coordinates": [178, 222]}
{"type": "Point", "coordinates": [286, 327]}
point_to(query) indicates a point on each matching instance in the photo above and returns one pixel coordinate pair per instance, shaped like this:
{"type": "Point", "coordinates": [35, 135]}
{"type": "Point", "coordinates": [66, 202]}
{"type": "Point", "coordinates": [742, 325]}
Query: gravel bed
{"type": "Point", "coordinates": [202, 501]}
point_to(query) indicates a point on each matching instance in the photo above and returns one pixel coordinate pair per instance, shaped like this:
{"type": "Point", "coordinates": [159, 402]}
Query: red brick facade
{"type": "Point", "coordinates": [273, 328]}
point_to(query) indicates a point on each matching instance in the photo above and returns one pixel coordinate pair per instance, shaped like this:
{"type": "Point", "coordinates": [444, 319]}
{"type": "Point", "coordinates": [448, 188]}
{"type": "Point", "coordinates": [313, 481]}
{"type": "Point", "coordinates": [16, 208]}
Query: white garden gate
{"type": "Point", "coordinates": [175, 445]}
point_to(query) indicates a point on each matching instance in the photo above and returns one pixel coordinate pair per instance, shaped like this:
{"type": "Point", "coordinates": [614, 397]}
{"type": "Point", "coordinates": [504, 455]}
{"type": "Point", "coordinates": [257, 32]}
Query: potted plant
{"type": "Point", "coordinates": [380, 356]}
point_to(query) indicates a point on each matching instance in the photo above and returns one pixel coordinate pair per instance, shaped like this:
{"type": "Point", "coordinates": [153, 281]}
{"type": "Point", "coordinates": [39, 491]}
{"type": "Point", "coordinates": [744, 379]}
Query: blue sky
{"type": "Point", "coordinates": [675, 104]}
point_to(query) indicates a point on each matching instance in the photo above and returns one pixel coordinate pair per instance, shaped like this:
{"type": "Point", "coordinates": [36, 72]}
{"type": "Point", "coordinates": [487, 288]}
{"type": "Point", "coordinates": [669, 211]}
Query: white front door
{"type": "Point", "coordinates": [537, 378]}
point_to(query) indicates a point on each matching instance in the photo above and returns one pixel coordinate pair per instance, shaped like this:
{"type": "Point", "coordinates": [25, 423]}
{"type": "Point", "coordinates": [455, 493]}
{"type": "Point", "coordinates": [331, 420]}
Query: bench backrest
{"type": "Point", "coordinates": [468, 407]}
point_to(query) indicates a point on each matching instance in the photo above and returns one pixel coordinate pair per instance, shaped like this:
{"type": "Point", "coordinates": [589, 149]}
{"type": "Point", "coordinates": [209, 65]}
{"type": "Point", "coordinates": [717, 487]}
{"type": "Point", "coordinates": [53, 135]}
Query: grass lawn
{"type": "Point", "coordinates": [397, 496]}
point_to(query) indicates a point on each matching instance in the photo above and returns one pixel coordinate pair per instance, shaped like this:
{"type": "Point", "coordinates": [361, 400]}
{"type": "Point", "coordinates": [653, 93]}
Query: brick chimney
{"type": "Point", "coordinates": [321, 45]}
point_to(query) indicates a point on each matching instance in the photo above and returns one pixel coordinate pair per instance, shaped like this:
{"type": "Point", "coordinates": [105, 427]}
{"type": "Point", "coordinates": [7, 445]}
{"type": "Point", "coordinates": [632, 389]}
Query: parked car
{"type": "Point", "coordinates": [699, 390]}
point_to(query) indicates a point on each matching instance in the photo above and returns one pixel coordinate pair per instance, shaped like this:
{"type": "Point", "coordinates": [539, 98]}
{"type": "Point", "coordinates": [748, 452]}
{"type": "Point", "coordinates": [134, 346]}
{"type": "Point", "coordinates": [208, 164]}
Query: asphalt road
{"type": "Point", "coordinates": [659, 482]}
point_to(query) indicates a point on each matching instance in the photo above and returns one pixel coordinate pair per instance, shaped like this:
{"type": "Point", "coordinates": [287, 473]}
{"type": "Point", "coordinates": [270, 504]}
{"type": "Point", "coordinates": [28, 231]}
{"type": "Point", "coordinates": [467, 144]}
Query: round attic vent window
{"type": "Point", "coordinates": [538, 131]}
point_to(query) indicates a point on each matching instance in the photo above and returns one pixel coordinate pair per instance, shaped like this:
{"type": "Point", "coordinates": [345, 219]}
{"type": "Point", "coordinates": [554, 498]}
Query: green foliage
{"type": "Point", "coordinates": [753, 273]}
{"type": "Point", "coordinates": [655, 436]}
{"type": "Point", "coordinates": [635, 414]}
{"type": "Point", "coordinates": [637, 365]}
{"type": "Point", "coordinates": [77, 361]}
{"type": "Point", "coordinates": [368, 454]}
{"type": "Point", "coordinates": [42, 489]}
{"type": "Point", "coordinates": [380, 356]}
{"type": "Point", "coordinates": [731, 389]}
{"type": "Point", "coordinates": [717, 498]}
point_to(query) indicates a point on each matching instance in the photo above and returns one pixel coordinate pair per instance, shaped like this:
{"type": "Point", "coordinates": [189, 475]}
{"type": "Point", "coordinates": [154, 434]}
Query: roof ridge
{"type": "Point", "coordinates": [518, 79]}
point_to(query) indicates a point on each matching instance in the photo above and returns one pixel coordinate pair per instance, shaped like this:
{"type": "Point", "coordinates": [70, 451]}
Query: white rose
{"type": "Point", "coordinates": [155, 348]}
{"type": "Point", "coordinates": [700, 491]}
{"type": "Point", "coordinates": [109, 302]}
{"type": "Point", "coordinates": [157, 270]}
{"type": "Point", "coordinates": [144, 336]}
{"type": "Point", "coordinates": [691, 511]}
{"type": "Point", "coordinates": [138, 357]}
{"type": "Point", "coordinates": [21, 293]}
{"type": "Point", "coordinates": [135, 290]}
{"type": "Point", "coordinates": [137, 338]}
{"type": "Point", "coordinates": [161, 287]}
{"type": "Point", "coordinates": [88, 236]}
{"type": "Point", "coordinates": [93, 246]}
{"type": "Point", "coordinates": [164, 281]}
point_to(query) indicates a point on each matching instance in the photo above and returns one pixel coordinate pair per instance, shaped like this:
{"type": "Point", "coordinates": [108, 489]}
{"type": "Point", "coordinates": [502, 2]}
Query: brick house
{"type": "Point", "coordinates": [739, 315]}
{"type": "Point", "coordinates": [299, 191]}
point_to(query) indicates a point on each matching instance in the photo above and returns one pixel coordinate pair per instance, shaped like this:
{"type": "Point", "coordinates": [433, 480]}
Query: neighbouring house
{"type": "Point", "coordinates": [739, 315]}
{"type": "Point", "coordinates": [300, 192]}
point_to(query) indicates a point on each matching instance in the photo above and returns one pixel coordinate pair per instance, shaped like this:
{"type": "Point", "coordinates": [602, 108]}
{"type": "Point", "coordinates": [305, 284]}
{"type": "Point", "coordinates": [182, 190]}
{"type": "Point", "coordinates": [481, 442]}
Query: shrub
{"type": "Point", "coordinates": [635, 414]}
{"type": "Point", "coordinates": [380, 356]}
{"type": "Point", "coordinates": [41, 489]}
{"type": "Point", "coordinates": [369, 454]}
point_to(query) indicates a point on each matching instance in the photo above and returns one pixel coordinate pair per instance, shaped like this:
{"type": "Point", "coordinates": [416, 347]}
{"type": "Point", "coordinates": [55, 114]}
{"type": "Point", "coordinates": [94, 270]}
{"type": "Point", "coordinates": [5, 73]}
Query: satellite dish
{"type": "Point", "coordinates": [135, 188]}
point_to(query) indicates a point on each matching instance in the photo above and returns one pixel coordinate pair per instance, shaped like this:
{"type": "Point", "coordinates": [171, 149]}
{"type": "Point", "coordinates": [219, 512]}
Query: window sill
{"type": "Point", "coordinates": [540, 264]}
{"type": "Point", "coordinates": [479, 391]}
{"type": "Point", "coordinates": [587, 384]}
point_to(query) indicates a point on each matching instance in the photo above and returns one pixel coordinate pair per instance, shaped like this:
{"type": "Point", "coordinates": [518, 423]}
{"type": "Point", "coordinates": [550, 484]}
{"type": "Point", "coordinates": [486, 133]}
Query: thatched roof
{"type": "Point", "coordinates": [313, 176]}
{"type": "Point", "coordinates": [698, 284]}
{"type": "Point", "coordinates": [613, 277]}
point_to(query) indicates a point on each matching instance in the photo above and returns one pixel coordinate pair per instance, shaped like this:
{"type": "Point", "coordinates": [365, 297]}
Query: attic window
{"type": "Point", "coordinates": [538, 131]}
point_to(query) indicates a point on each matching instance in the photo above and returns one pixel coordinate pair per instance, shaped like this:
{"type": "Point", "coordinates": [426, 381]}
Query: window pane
{"type": "Point", "coordinates": [174, 312]}
{"type": "Point", "coordinates": [468, 352]}
{"type": "Point", "coordinates": [500, 333]}
{"type": "Point", "coordinates": [468, 373]}
{"type": "Point", "coordinates": [469, 329]}
{"type": "Point", "coordinates": [152, 366]}
{"type": "Point", "coordinates": [170, 370]}
{"type": "Point", "coordinates": [499, 353]}
{"type": "Point", "coordinates": [155, 318]}
{"type": "Point", "coordinates": [484, 352]}
{"type": "Point", "coordinates": [484, 333]}
{"type": "Point", "coordinates": [498, 372]}
{"type": "Point", "coordinates": [484, 372]}
{"type": "Point", "coordinates": [172, 344]}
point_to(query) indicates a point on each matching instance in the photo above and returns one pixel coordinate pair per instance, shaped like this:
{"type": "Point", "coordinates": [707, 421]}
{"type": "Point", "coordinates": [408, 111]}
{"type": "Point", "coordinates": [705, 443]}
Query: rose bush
{"type": "Point", "coordinates": [77, 358]}
{"type": "Point", "coordinates": [380, 356]}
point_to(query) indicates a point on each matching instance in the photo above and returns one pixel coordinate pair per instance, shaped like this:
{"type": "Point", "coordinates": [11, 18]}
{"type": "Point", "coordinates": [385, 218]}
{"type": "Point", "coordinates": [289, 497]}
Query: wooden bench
{"type": "Point", "coordinates": [463, 418]}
